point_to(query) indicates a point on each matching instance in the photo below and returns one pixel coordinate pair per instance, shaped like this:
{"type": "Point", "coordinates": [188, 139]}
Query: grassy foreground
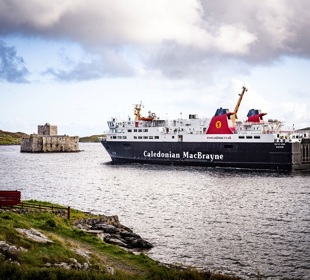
{"type": "Point", "coordinates": [31, 262]}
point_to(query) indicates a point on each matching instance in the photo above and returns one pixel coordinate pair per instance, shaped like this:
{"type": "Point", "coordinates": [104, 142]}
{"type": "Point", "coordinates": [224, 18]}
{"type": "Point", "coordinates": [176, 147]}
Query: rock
{"type": "Point", "coordinates": [143, 244]}
{"type": "Point", "coordinates": [99, 233]}
{"type": "Point", "coordinates": [85, 266]}
{"type": "Point", "coordinates": [110, 270]}
{"type": "Point", "coordinates": [110, 230]}
{"type": "Point", "coordinates": [10, 251]}
{"type": "Point", "coordinates": [85, 254]}
{"type": "Point", "coordinates": [106, 228]}
{"type": "Point", "coordinates": [34, 235]}
{"type": "Point", "coordinates": [126, 234]}
{"type": "Point", "coordinates": [115, 241]}
{"type": "Point", "coordinates": [79, 226]}
{"type": "Point", "coordinates": [135, 241]}
{"type": "Point", "coordinates": [73, 265]}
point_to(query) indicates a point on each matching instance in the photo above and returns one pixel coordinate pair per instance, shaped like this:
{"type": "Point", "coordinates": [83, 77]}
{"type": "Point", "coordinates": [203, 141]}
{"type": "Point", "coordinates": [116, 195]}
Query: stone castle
{"type": "Point", "coordinates": [48, 140]}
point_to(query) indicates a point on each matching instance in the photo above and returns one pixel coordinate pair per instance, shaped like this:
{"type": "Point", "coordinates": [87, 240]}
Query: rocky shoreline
{"type": "Point", "coordinates": [107, 228]}
{"type": "Point", "coordinates": [35, 243]}
{"type": "Point", "coordinates": [110, 230]}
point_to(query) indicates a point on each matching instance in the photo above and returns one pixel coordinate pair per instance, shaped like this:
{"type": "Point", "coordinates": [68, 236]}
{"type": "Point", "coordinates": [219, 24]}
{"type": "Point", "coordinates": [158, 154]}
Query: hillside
{"type": "Point", "coordinates": [43, 245]}
{"type": "Point", "coordinates": [93, 138]}
{"type": "Point", "coordinates": [10, 138]}
{"type": "Point", "coordinates": [13, 138]}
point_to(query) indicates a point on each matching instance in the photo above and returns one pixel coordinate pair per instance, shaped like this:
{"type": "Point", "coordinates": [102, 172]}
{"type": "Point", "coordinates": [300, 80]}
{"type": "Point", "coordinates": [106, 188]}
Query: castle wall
{"type": "Point", "coordinates": [32, 144]}
{"type": "Point", "coordinates": [45, 144]}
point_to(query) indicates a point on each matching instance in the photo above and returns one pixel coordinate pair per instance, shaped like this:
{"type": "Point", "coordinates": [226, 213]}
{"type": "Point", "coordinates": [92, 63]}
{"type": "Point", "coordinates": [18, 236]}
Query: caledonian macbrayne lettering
{"type": "Point", "coordinates": [184, 155]}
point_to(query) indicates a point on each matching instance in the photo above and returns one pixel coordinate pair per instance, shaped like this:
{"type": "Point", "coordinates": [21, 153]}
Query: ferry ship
{"type": "Point", "coordinates": [221, 141]}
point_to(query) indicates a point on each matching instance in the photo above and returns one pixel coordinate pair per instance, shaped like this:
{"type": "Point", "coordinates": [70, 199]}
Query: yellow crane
{"type": "Point", "coordinates": [234, 116]}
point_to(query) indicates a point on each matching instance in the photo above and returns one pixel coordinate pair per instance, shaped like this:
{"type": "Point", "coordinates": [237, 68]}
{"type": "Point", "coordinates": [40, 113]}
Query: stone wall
{"type": "Point", "coordinates": [42, 144]}
{"type": "Point", "coordinates": [47, 129]}
{"type": "Point", "coordinates": [31, 144]}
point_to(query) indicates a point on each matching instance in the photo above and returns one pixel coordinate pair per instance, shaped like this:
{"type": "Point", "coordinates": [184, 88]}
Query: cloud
{"type": "Point", "coordinates": [108, 64]}
{"type": "Point", "coordinates": [12, 67]}
{"type": "Point", "coordinates": [279, 26]}
{"type": "Point", "coordinates": [191, 34]}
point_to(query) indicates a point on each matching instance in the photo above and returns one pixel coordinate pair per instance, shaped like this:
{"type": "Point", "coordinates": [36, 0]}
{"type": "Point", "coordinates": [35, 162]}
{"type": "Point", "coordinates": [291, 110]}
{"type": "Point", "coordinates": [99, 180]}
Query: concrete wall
{"type": "Point", "coordinates": [44, 144]}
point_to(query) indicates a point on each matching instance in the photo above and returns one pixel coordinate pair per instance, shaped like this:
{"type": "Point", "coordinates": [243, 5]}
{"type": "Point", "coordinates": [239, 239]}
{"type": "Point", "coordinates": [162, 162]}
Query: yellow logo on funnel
{"type": "Point", "coordinates": [218, 124]}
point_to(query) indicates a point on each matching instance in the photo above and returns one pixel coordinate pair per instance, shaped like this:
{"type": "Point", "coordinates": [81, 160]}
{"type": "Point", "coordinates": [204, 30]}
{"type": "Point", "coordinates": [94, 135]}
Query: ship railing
{"type": "Point", "coordinates": [276, 131]}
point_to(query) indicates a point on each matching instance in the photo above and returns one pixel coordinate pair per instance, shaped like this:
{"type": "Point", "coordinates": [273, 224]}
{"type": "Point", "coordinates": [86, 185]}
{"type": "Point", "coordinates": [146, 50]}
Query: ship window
{"type": "Point", "coordinates": [129, 130]}
{"type": "Point", "coordinates": [134, 130]}
{"type": "Point", "coordinates": [241, 137]}
{"type": "Point", "coordinates": [256, 137]}
{"type": "Point", "coordinates": [156, 137]}
{"type": "Point", "coordinates": [139, 130]}
{"type": "Point", "coordinates": [114, 137]}
{"type": "Point", "coordinates": [151, 137]}
{"type": "Point", "coordinates": [135, 137]}
{"type": "Point", "coordinates": [249, 137]}
{"type": "Point", "coordinates": [124, 137]}
{"type": "Point", "coordinates": [139, 137]}
{"type": "Point", "coordinates": [145, 137]}
{"type": "Point", "coordinates": [145, 130]}
{"type": "Point", "coordinates": [172, 137]}
{"type": "Point", "coordinates": [119, 137]}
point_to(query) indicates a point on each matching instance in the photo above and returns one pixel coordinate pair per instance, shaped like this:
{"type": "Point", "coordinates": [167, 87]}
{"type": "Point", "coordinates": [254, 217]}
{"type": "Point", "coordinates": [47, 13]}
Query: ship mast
{"type": "Point", "coordinates": [137, 111]}
{"type": "Point", "coordinates": [234, 116]}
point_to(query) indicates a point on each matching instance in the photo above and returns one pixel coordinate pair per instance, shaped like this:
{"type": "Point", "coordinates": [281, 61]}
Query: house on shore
{"type": "Point", "coordinates": [48, 141]}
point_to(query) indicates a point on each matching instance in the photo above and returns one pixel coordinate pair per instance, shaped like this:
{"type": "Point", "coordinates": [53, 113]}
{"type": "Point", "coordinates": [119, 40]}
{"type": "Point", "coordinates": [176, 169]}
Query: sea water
{"type": "Point", "coordinates": [234, 222]}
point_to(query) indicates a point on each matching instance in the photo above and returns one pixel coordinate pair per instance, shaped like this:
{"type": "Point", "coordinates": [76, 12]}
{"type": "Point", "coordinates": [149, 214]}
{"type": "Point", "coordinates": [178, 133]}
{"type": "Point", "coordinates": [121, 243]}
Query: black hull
{"type": "Point", "coordinates": [264, 156]}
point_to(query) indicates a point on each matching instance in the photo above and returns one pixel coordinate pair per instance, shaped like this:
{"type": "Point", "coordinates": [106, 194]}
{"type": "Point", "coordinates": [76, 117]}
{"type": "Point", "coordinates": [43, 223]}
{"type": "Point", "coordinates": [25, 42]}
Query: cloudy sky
{"type": "Point", "coordinates": [77, 63]}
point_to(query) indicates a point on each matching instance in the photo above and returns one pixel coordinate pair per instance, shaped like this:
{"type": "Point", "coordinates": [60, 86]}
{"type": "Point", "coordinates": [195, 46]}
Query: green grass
{"type": "Point", "coordinates": [65, 238]}
{"type": "Point", "coordinates": [93, 138]}
{"type": "Point", "coordinates": [11, 138]}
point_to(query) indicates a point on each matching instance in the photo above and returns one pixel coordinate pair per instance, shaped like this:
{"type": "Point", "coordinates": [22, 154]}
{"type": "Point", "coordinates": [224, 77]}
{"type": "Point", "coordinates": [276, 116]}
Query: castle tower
{"type": "Point", "coordinates": [47, 129]}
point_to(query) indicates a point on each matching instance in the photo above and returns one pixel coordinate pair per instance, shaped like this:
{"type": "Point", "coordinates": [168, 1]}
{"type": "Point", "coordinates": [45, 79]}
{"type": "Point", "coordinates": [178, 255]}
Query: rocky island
{"type": "Point", "coordinates": [48, 141]}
